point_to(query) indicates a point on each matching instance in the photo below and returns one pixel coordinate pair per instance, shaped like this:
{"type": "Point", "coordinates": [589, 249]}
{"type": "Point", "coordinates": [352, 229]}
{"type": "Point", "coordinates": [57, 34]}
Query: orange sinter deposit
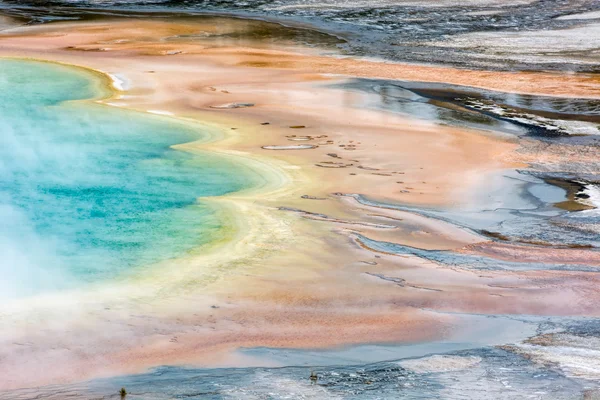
{"type": "Point", "coordinates": [297, 271]}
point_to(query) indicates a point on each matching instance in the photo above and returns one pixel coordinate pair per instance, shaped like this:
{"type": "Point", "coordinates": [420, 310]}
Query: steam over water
{"type": "Point", "coordinates": [544, 34]}
{"type": "Point", "coordinates": [89, 192]}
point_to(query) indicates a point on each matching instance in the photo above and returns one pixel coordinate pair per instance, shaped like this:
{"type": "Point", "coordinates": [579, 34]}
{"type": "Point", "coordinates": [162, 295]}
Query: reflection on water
{"type": "Point", "coordinates": [528, 220]}
{"type": "Point", "coordinates": [408, 30]}
{"type": "Point", "coordinates": [146, 168]}
{"type": "Point", "coordinates": [547, 366]}
{"type": "Point", "coordinates": [452, 259]}
{"type": "Point", "coordinates": [540, 116]}
{"type": "Point", "coordinates": [502, 372]}
{"type": "Point", "coordinates": [553, 202]}
{"type": "Point", "coordinates": [239, 31]}
{"type": "Point", "coordinates": [482, 373]}
{"type": "Point", "coordinates": [212, 29]}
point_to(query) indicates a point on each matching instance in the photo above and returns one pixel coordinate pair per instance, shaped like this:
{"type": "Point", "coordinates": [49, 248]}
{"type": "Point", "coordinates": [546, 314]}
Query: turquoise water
{"type": "Point", "coordinates": [90, 192]}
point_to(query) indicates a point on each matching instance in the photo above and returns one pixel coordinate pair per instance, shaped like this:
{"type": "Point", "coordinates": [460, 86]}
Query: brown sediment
{"type": "Point", "coordinates": [287, 279]}
{"type": "Point", "coordinates": [330, 164]}
{"type": "Point", "coordinates": [495, 235]}
{"type": "Point", "coordinates": [573, 202]}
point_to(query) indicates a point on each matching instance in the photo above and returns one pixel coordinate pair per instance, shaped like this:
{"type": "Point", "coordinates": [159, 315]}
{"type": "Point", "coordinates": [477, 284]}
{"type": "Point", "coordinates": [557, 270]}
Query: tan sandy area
{"type": "Point", "coordinates": [292, 274]}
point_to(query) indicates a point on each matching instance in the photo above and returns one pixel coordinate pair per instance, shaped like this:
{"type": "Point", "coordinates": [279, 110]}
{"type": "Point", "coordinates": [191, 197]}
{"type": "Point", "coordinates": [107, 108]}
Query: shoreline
{"type": "Point", "coordinates": [273, 177]}
{"type": "Point", "coordinates": [285, 280]}
{"type": "Point", "coordinates": [358, 44]}
{"type": "Point", "coordinates": [537, 83]}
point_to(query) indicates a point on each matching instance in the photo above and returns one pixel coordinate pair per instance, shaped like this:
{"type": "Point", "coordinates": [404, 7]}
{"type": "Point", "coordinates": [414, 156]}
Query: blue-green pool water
{"type": "Point", "coordinates": [89, 192]}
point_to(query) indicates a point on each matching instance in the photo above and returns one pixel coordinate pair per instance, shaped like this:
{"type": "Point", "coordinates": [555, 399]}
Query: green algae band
{"type": "Point", "coordinates": [90, 192]}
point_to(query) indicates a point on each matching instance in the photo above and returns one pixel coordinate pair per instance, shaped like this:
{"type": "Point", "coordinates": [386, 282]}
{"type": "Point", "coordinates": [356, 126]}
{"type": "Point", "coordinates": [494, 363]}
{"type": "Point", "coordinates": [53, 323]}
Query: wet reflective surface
{"type": "Point", "coordinates": [520, 114]}
{"type": "Point", "coordinates": [551, 205]}
{"type": "Point", "coordinates": [553, 201]}
{"type": "Point", "coordinates": [418, 30]}
{"type": "Point", "coordinates": [504, 372]}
